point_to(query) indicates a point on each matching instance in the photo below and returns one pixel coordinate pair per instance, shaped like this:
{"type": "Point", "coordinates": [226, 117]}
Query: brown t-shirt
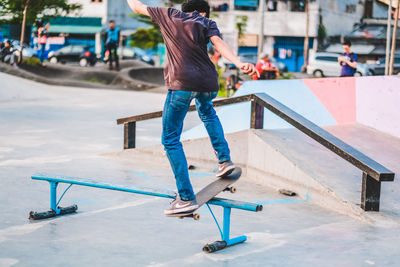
{"type": "Point", "coordinates": [186, 37]}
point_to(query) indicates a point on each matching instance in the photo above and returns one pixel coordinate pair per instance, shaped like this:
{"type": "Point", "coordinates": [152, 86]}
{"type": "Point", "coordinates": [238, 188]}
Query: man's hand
{"type": "Point", "coordinates": [224, 49]}
{"type": "Point", "coordinates": [248, 68]}
{"type": "Point", "coordinates": [138, 7]}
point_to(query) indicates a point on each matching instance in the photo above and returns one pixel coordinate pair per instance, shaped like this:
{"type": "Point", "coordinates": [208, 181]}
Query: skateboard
{"type": "Point", "coordinates": [211, 190]}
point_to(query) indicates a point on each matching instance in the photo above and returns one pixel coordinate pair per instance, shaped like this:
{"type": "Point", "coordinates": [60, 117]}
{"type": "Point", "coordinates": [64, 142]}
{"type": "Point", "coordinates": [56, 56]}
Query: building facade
{"type": "Point", "coordinates": [284, 24]}
{"type": "Point", "coordinates": [117, 10]}
{"type": "Point", "coordinates": [369, 37]}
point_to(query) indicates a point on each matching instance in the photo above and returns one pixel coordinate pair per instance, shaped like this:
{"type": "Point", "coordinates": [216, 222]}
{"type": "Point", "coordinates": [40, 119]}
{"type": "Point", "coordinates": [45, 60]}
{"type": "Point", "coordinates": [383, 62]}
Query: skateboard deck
{"type": "Point", "coordinates": [211, 190]}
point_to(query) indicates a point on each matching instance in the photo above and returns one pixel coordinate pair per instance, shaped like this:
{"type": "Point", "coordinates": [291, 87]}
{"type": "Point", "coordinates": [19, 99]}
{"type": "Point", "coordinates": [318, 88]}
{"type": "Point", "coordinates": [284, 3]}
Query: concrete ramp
{"type": "Point", "coordinates": [330, 180]}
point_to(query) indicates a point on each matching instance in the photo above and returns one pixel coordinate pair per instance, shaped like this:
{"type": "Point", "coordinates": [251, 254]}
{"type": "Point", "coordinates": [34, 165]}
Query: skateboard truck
{"type": "Point", "coordinates": [231, 189]}
{"type": "Point", "coordinates": [195, 216]}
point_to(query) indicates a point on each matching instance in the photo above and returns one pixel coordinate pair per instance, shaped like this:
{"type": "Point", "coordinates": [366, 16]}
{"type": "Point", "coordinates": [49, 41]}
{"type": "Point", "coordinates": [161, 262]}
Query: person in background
{"type": "Point", "coordinates": [266, 69]}
{"type": "Point", "coordinates": [348, 61]}
{"type": "Point", "coordinates": [43, 33]}
{"type": "Point", "coordinates": [111, 41]}
{"type": "Point", "coordinates": [7, 55]}
{"type": "Point", "coordinates": [1, 39]}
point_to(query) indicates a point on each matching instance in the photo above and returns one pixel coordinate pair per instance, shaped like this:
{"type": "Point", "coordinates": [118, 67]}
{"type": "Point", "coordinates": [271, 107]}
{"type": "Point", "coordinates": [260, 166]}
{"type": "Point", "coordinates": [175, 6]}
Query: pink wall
{"type": "Point", "coordinates": [338, 95]}
{"type": "Point", "coordinates": [378, 103]}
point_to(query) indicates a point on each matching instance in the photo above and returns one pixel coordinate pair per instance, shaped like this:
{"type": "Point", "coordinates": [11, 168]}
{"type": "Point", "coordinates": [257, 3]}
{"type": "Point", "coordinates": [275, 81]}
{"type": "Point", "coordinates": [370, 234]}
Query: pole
{"type": "Point", "coordinates": [388, 34]}
{"type": "Point", "coordinates": [396, 22]}
{"type": "Point", "coordinates": [22, 39]}
{"type": "Point", "coordinates": [306, 39]}
{"type": "Point", "coordinates": [261, 10]}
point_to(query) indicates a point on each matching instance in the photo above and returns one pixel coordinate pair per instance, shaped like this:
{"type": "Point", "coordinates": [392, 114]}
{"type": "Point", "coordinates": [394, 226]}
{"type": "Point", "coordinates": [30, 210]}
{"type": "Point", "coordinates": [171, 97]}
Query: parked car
{"type": "Point", "coordinates": [74, 53]}
{"type": "Point", "coordinates": [379, 67]}
{"type": "Point", "coordinates": [134, 53]}
{"type": "Point", "coordinates": [143, 55]}
{"type": "Point", "coordinates": [324, 64]}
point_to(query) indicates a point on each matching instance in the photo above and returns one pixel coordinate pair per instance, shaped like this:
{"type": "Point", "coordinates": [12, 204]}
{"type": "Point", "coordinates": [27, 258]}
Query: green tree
{"type": "Point", "coordinates": [13, 10]}
{"type": "Point", "coordinates": [26, 11]}
{"type": "Point", "coordinates": [146, 38]}
{"type": "Point", "coordinates": [322, 34]}
{"type": "Point", "coordinates": [144, 19]}
{"type": "Point", "coordinates": [241, 25]}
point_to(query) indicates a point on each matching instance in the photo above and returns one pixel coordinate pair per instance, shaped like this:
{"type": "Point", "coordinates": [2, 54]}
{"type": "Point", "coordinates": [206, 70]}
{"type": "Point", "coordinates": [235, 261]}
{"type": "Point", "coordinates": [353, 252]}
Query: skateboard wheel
{"type": "Point", "coordinates": [180, 217]}
{"type": "Point", "coordinates": [232, 189]}
{"type": "Point", "coordinates": [196, 217]}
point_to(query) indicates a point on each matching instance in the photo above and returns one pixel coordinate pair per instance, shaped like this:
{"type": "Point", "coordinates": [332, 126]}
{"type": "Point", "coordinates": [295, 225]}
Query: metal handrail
{"type": "Point", "coordinates": [158, 114]}
{"type": "Point", "coordinates": [373, 172]}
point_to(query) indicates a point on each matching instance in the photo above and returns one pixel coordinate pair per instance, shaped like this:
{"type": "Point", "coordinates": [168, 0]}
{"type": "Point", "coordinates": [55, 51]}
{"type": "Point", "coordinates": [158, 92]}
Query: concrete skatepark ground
{"type": "Point", "coordinates": [72, 131]}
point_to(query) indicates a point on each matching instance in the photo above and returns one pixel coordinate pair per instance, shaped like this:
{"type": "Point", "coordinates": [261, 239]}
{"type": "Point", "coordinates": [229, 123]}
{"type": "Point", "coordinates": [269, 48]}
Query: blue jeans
{"type": "Point", "coordinates": [42, 51]}
{"type": "Point", "coordinates": [175, 109]}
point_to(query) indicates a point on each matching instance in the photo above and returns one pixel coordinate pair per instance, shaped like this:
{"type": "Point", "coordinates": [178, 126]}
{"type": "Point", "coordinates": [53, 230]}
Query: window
{"type": "Point", "coordinates": [66, 49]}
{"type": "Point", "coordinates": [272, 5]}
{"type": "Point", "coordinates": [246, 5]}
{"type": "Point", "coordinates": [220, 6]}
{"type": "Point", "coordinates": [77, 49]}
{"type": "Point", "coordinates": [351, 8]}
{"type": "Point", "coordinates": [368, 9]}
{"type": "Point", "coordinates": [298, 6]}
{"type": "Point", "coordinates": [326, 58]}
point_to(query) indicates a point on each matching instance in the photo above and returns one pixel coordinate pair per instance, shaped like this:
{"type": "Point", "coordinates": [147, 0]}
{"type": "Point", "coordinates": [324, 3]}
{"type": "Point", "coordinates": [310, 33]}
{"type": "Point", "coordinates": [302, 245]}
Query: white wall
{"type": "Point", "coordinates": [117, 10]}
{"type": "Point", "coordinates": [282, 23]}
{"type": "Point", "coordinates": [91, 9]}
{"type": "Point", "coordinates": [286, 23]}
{"type": "Point", "coordinates": [335, 18]}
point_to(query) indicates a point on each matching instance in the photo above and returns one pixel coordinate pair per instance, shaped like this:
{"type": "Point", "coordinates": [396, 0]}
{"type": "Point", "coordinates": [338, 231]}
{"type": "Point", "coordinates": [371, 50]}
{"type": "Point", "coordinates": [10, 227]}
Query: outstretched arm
{"type": "Point", "coordinates": [351, 64]}
{"type": "Point", "coordinates": [138, 7]}
{"type": "Point", "coordinates": [227, 53]}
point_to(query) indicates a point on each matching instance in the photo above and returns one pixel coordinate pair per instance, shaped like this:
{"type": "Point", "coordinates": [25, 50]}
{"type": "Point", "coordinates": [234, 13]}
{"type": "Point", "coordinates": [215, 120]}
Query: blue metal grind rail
{"type": "Point", "coordinates": [227, 204]}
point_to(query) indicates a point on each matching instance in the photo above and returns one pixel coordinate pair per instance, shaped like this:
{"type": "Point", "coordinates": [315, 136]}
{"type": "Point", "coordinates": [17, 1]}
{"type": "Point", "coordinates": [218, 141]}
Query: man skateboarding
{"type": "Point", "coordinates": [189, 75]}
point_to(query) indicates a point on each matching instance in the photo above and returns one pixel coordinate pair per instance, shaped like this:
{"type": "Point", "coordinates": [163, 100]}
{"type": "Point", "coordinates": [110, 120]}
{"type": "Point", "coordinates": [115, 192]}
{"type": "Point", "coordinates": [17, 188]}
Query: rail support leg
{"type": "Point", "coordinates": [54, 210]}
{"type": "Point", "coordinates": [257, 115]}
{"type": "Point", "coordinates": [129, 135]}
{"type": "Point", "coordinates": [226, 241]}
{"type": "Point", "coordinates": [371, 193]}
{"type": "Point", "coordinates": [53, 196]}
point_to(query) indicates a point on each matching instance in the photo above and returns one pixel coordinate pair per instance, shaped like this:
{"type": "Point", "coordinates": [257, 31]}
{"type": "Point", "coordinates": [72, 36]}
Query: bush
{"type": "Point", "coordinates": [32, 61]}
{"type": "Point", "coordinates": [221, 81]}
{"type": "Point", "coordinates": [286, 76]}
{"type": "Point", "coordinates": [146, 38]}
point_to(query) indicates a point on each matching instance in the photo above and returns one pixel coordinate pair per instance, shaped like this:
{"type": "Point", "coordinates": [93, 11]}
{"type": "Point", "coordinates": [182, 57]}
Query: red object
{"type": "Point", "coordinates": [87, 54]}
{"type": "Point", "coordinates": [261, 66]}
